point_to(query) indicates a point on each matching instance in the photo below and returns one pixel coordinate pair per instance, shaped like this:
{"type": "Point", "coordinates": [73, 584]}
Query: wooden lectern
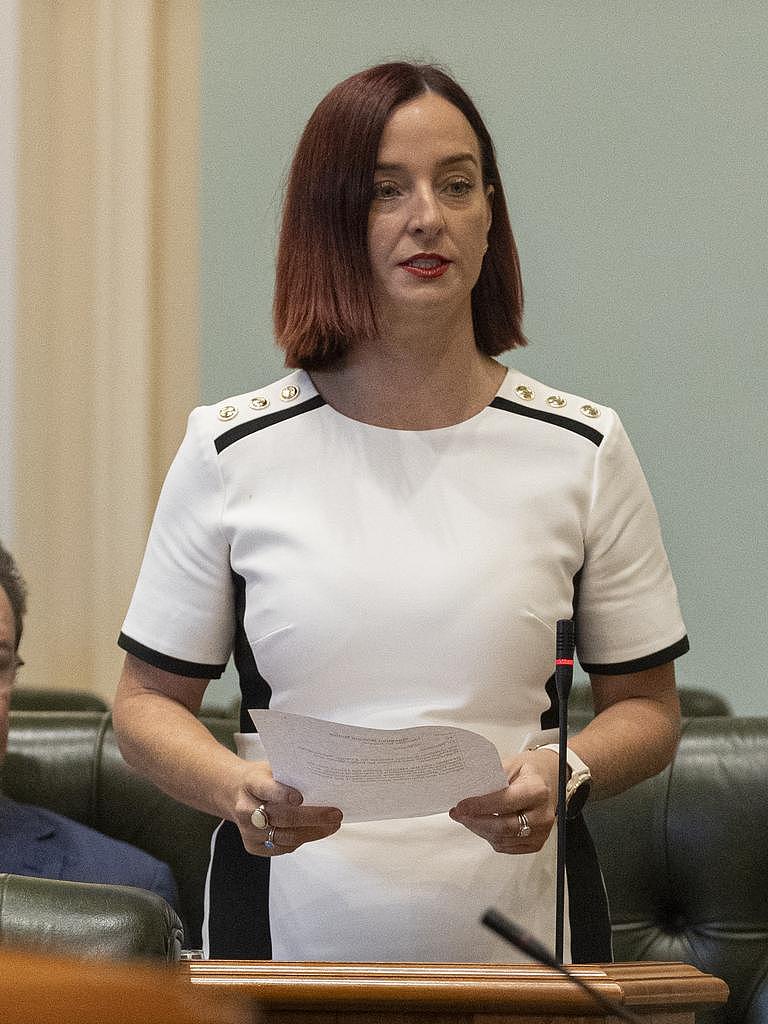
{"type": "Point", "coordinates": [401, 993]}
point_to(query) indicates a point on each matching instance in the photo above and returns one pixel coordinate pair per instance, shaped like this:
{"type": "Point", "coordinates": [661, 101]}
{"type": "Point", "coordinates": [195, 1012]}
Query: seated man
{"type": "Point", "coordinates": [35, 841]}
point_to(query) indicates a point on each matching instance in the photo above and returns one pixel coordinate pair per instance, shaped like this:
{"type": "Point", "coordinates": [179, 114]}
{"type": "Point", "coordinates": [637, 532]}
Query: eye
{"type": "Point", "coordinates": [385, 190]}
{"type": "Point", "coordinates": [459, 186]}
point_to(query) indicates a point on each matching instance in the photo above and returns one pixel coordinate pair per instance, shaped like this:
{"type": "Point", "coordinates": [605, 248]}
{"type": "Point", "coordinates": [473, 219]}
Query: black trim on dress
{"type": "Point", "coordinates": [255, 691]}
{"type": "Point", "coordinates": [623, 668]}
{"type": "Point", "coordinates": [260, 423]}
{"type": "Point", "coordinates": [238, 889]}
{"type": "Point", "coordinates": [550, 717]}
{"type": "Point", "coordinates": [588, 910]}
{"type": "Point", "coordinates": [238, 893]}
{"type": "Point", "coordinates": [549, 417]}
{"type": "Point", "coordinates": [177, 666]}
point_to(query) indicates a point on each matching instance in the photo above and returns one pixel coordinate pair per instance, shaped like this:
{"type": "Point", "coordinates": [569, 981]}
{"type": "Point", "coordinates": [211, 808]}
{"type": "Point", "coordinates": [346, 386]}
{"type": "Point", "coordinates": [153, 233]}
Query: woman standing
{"type": "Point", "coordinates": [386, 537]}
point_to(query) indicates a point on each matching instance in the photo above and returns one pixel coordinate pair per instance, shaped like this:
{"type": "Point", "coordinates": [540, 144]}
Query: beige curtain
{"type": "Point", "coordinates": [107, 332]}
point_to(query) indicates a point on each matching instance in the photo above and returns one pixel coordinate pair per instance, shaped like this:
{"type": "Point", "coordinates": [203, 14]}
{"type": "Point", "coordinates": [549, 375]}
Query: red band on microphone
{"type": "Point", "coordinates": [564, 661]}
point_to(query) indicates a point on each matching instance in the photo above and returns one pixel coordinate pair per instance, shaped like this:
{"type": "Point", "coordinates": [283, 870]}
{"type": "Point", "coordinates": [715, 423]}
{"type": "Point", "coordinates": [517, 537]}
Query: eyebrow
{"type": "Point", "coordinates": [456, 158]}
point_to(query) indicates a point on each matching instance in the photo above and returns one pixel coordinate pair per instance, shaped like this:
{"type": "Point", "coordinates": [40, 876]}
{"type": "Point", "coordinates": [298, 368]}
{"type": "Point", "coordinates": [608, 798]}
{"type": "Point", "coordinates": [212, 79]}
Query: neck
{"type": "Point", "coordinates": [415, 377]}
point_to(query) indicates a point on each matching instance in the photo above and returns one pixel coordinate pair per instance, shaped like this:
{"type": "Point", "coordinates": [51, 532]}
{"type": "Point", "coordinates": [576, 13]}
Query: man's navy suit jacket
{"type": "Point", "coordinates": [37, 842]}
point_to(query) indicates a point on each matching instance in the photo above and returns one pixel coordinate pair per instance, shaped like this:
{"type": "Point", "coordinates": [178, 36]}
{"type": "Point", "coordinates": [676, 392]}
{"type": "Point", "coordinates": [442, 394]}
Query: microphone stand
{"type": "Point", "coordinates": [531, 946]}
{"type": "Point", "coordinates": [565, 643]}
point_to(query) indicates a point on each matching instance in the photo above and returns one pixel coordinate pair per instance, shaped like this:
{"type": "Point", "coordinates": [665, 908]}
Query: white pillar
{"type": "Point", "coordinates": [9, 66]}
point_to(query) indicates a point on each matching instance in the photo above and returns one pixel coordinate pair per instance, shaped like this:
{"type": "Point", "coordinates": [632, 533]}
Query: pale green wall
{"type": "Point", "coordinates": [632, 142]}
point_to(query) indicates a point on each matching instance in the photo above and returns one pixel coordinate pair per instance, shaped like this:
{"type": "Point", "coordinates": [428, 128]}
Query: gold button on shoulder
{"type": "Point", "coordinates": [591, 411]}
{"type": "Point", "coordinates": [556, 402]}
{"type": "Point", "coordinates": [259, 402]}
{"type": "Point", "coordinates": [227, 412]}
{"type": "Point", "coordinates": [289, 392]}
{"type": "Point", "coordinates": [523, 391]}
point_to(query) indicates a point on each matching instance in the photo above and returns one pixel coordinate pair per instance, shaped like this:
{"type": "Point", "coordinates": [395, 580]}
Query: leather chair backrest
{"type": "Point", "coordinates": [685, 861]}
{"type": "Point", "coordinates": [694, 702]}
{"type": "Point", "coordinates": [70, 763]}
{"type": "Point", "coordinates": [36, 698]}
{"type": "Point", "coordinates": [105, 922]}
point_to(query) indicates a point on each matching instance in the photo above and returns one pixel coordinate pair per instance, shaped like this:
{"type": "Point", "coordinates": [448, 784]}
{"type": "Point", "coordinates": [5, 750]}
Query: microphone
{"type": "Point", "coordinates": [564, 645]}
{"type": "Point", "coordinates": [530, 945]}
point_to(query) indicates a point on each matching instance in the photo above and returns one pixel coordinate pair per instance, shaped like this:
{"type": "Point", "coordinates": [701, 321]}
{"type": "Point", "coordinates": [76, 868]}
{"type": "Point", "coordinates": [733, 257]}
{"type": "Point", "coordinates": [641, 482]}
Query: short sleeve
{"type": "Point", "coordinates": [627, 612]}
{"type": "Point", "coordinates": [181, 617]}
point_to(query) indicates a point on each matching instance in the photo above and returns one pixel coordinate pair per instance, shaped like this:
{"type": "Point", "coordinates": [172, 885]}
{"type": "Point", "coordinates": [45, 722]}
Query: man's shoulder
{"type": "Point", "coordinates": [85, 855]}
{"type": "Point", "coordinates": [114, 861]}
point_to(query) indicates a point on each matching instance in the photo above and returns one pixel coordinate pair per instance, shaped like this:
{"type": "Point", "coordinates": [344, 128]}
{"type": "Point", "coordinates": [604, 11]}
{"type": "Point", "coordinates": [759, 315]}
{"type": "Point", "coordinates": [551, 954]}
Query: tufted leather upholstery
{"type": "Point", "coordinates": [685, 860]}
{"type": "Point", "coordinates": [113, 922]}
{"type": "Point", "coordinates": [694, 702]}
{"type": "Point", "coordinates": [69, 762]}
{"type": "Point", "coordinates": [33, 698]}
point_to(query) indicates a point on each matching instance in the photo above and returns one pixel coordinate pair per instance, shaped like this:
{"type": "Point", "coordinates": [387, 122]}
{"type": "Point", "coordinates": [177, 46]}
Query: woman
{"type": "Point", "coordinates": [386, 537]}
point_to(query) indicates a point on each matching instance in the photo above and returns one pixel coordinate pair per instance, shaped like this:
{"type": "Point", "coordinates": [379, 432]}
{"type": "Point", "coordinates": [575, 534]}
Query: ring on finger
{"type": "Point", "coordinates": [525, 829]}
{"type": "Point", "coordinates": [259, 817]}
{"type": "Point", "coordinates": [269, 842]}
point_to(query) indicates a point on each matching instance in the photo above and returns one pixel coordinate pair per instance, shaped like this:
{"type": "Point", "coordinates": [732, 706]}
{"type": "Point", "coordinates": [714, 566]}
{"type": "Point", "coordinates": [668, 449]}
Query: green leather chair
{"type": "Point", "coordinates": [112, 922]}
{"type": "Point", "coordinates": [35, 698]}
{"type": "Point", "coordinates": [685, 862]}
{"type": "Point", "coordinates": [694, 703]}
{"type": "Point", "coordinates": [69, 762]}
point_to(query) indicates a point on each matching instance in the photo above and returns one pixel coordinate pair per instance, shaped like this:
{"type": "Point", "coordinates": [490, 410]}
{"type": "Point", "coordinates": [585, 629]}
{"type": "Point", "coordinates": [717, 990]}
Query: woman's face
{"type": "Point", "coordinates": [430, 214]}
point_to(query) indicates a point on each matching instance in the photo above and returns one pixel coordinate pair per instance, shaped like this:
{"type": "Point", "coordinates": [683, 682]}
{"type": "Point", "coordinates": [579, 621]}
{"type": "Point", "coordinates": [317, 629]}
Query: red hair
{"type": "Point", "coordinates": [320, 309]}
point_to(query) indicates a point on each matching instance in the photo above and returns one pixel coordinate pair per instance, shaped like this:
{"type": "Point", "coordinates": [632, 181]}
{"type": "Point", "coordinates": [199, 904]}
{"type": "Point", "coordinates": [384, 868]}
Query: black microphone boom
{"type": "Point", "coordinates": [530, 945]}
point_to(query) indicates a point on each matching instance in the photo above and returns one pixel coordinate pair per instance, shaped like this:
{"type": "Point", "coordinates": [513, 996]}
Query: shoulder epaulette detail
{"type": "Point", "coordinates": [545, 416]}
{"type": "Point", "coordinates": [261, 422]}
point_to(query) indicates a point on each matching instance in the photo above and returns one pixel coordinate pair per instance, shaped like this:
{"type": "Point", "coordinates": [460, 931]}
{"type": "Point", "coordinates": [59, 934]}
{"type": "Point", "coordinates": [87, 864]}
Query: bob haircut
{"type": "Point", "coordinates": [320, 309]}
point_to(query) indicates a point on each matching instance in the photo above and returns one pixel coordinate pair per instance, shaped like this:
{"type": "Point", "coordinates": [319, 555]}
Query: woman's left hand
{"type": "Point", "coordinates": [528, 802]}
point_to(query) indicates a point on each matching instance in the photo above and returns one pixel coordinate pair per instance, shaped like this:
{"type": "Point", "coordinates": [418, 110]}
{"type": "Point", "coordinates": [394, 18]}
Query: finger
{"type": "Point", "coordinates": [292, 838]}
{"type": "Point", "coordinates": [519, 824]}
{"type": "Point", "coordinates": [504, 835]}
{"type": "Point", "coordinates": [288, 816]}
{"type": "Point", "coordinates": [265, 789]}
{"type": "Point", "coordinates": [509, 845]}
{"type": "Point", "coordinates": [527, 790]}
{"type": "Point", "coordinates": [498, 825]}
{"type": "Point", "coordinates": [273, 842]}
{"type": "Point", "coordinates": [482, 806]}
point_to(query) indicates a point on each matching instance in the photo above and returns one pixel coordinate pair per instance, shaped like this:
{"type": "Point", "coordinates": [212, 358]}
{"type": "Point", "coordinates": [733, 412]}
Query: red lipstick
{"type": "Point", "coordinates": [426, 265]}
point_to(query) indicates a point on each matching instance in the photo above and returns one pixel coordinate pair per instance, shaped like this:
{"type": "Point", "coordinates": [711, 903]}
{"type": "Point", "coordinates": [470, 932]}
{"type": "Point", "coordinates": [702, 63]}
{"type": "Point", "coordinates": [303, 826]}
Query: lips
{"type": "Point", "coordinates": [426, 265]}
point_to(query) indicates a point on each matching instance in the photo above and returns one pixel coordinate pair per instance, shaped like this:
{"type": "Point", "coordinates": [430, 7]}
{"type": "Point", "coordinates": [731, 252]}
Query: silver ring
{"type": "Point", "coordinates": [259, 817]}
{"type": "Point", "coordinates": [269, 842]}
{"type": "Point", "coordinates": [525, 829]}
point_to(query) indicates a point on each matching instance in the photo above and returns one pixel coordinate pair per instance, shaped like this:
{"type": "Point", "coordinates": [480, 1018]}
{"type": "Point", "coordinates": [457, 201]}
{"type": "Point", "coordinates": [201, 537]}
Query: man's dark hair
{"type": "Point", "coordinates": [13, 584]}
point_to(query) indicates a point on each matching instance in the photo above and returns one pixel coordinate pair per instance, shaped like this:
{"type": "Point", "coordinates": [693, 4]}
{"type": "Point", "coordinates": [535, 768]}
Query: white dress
{"type": "Point", "coordinates": [390, 578]}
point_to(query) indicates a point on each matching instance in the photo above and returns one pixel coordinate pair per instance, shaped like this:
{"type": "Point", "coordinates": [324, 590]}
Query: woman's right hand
{"type": "Point", "coordinates": [290, 822]}
{"type": "Point", "coordinates": [155, 714]}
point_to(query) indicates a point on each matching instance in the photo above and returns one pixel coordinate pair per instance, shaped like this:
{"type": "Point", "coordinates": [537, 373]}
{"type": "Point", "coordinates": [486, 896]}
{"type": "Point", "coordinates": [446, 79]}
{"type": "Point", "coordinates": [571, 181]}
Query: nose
{"type": "Point", "coordinates": [426, 214]}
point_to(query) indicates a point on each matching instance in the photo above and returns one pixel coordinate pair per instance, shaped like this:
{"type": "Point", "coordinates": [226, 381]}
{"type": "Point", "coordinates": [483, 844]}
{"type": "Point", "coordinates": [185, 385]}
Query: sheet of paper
{"type": "Point", "coordinates": [373, 774]}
